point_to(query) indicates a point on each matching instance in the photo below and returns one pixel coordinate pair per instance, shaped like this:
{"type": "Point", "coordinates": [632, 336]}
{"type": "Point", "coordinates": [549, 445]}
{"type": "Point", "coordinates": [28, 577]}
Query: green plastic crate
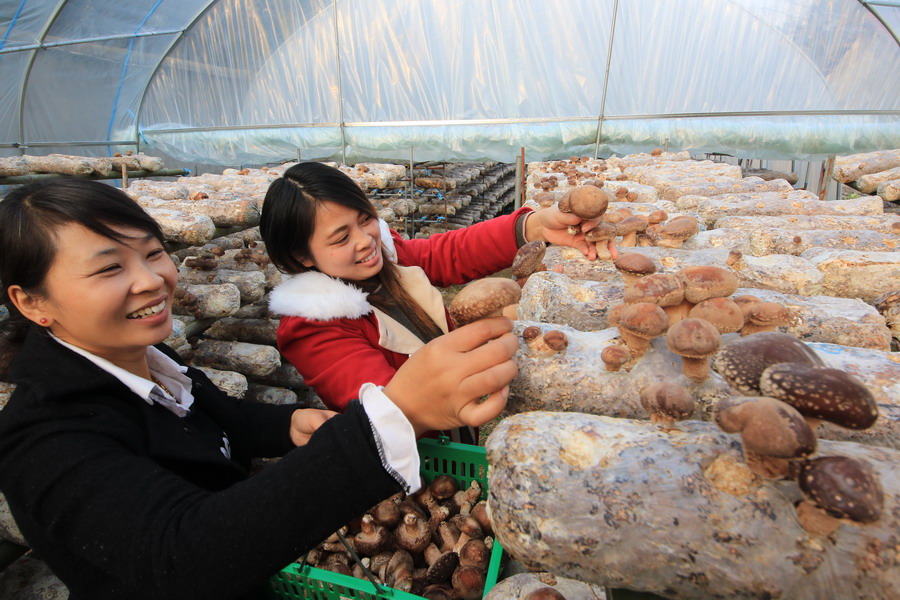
{"type": "Point", "coordinates": [438, 457]}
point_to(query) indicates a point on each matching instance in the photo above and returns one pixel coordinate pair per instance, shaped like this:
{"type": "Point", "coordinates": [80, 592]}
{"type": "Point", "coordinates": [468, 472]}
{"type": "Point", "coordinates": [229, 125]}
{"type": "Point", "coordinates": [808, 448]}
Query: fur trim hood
{"type": "Point", "coordinates": [320, 297]}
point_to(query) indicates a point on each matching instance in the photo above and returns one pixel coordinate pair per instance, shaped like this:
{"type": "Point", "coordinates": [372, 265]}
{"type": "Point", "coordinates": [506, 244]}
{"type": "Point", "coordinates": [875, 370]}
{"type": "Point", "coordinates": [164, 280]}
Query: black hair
{"type": "Point", "coordinates": [288, 222]}
{"type": "Point", "coordinates": [29, 218]}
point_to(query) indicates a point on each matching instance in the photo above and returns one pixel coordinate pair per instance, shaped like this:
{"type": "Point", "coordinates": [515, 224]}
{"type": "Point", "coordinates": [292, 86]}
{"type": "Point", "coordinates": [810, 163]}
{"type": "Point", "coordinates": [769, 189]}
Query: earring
{"type": "Point", "coordinates": [43, 321]}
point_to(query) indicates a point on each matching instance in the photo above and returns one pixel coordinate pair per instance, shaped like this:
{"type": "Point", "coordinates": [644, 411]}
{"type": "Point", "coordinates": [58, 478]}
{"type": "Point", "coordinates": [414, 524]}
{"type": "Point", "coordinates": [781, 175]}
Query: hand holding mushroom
{"type": "Point", "coordinates": [565, 224]}
{"type": "Point", "coordinates": [440, 386]}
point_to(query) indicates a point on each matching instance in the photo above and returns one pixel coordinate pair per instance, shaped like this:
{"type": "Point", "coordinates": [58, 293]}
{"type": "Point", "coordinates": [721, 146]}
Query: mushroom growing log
{"type": "Point", "coordinates": [618, 503]}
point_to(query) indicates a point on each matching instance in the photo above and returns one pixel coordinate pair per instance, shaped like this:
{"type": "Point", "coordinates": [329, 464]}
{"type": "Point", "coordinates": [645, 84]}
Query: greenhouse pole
{"type": "Point", "coordinates": [337, 52]}
{"type": "Point", "coordinates": [612, 35]}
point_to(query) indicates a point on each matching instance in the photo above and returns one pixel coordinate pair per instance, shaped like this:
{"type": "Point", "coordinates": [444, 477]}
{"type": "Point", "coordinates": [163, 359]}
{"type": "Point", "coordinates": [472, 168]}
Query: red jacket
{"type": "Point", "coordinates": [337, 340]}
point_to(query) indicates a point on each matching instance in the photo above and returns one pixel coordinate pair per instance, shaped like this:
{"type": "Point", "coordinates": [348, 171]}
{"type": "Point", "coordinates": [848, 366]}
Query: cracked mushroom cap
{"type": "Point", "coordinates": [666, 402]}
{"type": "Point", "coordinates": [585, 201]}
{"type": "Point", "coordinates": [704, 282]}
{"type": "Point", "coordinates": [741, 362]}
{"type": "Point", "coordinates": [767, 426]}
{"type": "Point", "coordinates": [483, 298]}
{"type": "Point", "coordinates": [821, 393]}
{"type": "Point", "coordinates": [721, 312]}
{"type": "Point", "coordinates": [662, 289]}
{"type": "Point", "coordinates": [528, 258]}
{"type": "Point", "coordinates": [844, 487]}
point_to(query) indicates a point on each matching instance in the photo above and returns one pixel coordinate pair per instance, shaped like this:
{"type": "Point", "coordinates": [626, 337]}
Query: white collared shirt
{"type": "Point", "coordinates": [171, 374]}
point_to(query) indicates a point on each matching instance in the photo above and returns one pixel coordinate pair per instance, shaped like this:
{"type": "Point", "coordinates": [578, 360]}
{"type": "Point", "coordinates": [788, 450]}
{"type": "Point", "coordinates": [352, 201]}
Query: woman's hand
{"type": "Point", "coordinates": [305, 421]}
{"type": "Point", "coordinates": [441, 386]}
{"type": "Point", "coordinates": [552, 226]}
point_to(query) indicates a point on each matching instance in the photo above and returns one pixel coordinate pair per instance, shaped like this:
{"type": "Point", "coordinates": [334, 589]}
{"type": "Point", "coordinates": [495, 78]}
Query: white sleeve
{"type": "Point", "coordinates": [394, 436]}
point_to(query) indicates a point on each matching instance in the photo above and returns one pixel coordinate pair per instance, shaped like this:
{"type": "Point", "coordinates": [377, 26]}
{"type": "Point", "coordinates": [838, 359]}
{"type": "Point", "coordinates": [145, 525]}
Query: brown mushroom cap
{"type": "Point", "coordinates": [745, 301]}
{"type": "Point", "coordinates": [694, 340]}
{"type": "Point", "coordinates": [765, 316]}
{"type": "Point", "coordinates": [531, 332]}
{"type": "Point", "coordinates": [639, 323]}
{"type": "Point", "coordinates": [704, 282]}
{"type": "Point", "coordinates": [585, 201]}
{"type": "Point", "coordinates": [845, 487]}
{"type": "Point", "coordinates": [767, 426]}
{"type": "Point", "coordinates": [601, 233]}
{"type": "Point", "coordinates": [721, 312]}
{"type": "Point", "coordinates": [741, 362]}
{"type": "Point", "coordinates": [667, 402]}
{"type": "Point", "coordinates": [657, 216]}
{"type": "Point", "coordinates": [614, 356]}
{"type": "Point", "coordinates": [483, 298]}
{"type": "Point", "coordinates": [544, 593]}
{"type": "Point", "coordinates": [821, 393]}
{"type": "Point", "coordinates": [676, 230]}
{"type": "Point", "coordinates": [631, 224]}
{"type": "Point", "coordinates": [528, 258]}
{"type": "Point", "coordinates": [556, 340]}
{"type": "Point", "coordinates": [663, 289]}
{"type": "Point", "coordinates": [372, 537]}
{"type": "Point", "coordinates": [468, 582]}
{"type": "Point", "coordinates": [633, 265]}
{"type": "Point", "coordinates": [614, 314]}
{"type": "Point", "coordinates": [545, 199]}
{"type": "Point", "coordinates": [440, 564]}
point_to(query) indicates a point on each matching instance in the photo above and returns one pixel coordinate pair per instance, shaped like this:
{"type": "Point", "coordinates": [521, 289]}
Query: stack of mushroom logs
{"type": "Point", "coordinates": [787, 388]}
{"type": "Point", "coordinates": [653, 229]}
{"type": "Point", "coordinates": [436, 543]}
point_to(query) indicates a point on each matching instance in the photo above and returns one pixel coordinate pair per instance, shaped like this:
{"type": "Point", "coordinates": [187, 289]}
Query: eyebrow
{"type": "Point", "coordinates": [113, 250]}
{"type": "Point", "coordinates": [333, 234]}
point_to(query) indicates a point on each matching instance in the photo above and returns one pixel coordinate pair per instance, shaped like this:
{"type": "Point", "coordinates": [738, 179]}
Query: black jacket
{"type": "Point", "coordinates": [126, 500]}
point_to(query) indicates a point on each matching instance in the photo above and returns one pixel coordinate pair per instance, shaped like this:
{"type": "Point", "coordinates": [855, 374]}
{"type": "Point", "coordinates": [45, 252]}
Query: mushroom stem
{"type": "Point", "coordinates": [696, 369]}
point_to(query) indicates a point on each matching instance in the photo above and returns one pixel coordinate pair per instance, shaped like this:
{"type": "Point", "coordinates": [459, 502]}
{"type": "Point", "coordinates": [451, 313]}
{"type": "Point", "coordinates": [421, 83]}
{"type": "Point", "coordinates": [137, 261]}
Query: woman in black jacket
{"type": "Point", "coordinates": [127, 472]}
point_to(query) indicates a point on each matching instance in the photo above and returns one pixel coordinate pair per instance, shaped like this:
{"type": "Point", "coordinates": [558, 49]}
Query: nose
{"type": "Point", "coordinates": [147, 278]}
{"type": "Point", "coordinates": [362, 238]}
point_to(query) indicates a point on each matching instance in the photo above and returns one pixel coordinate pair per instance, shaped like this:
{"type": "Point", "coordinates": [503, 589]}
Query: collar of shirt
{"type": "Point", "coordinates": [170, 373]}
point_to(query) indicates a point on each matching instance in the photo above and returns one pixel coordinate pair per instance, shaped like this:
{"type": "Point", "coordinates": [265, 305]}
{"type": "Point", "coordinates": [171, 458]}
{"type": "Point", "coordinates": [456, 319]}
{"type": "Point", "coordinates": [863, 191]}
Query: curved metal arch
{"type": "Point", "coordinates": [53, 16]}
{"type": "Point", "coordinates": [162, 57]}
{"type": "Point", "coordinates": [868, 6]}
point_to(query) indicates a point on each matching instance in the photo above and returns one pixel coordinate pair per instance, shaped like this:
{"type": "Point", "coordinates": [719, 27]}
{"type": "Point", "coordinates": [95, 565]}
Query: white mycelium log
{"type": "Point", "coordinates": [854, 166]}
{"type": "Point", "coordinates": [625, 504]}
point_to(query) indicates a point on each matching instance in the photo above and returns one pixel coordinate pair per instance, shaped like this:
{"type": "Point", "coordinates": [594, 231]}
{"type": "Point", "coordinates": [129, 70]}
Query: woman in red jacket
{"type": "Point", "coordinates": [359, 299]}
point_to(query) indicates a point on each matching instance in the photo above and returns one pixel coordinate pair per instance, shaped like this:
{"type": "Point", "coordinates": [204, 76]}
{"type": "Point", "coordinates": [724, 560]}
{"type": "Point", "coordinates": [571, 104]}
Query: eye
{"type": "Point", "coordinates": [109, 269]}
{"type": "Point", "coordinates": [155, 253]}
{"type": "Point", "coordinates": [365, 219]}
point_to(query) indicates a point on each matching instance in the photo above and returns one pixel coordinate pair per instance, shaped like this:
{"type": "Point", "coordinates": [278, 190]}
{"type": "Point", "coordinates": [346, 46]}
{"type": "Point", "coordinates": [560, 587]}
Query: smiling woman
{"type": "Point", "coordinates": [128, 471]}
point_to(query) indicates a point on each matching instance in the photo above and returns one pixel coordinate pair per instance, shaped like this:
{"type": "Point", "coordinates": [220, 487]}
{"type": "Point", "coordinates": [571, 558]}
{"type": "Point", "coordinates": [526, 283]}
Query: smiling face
{"type": "Point", "coordinates": [112, 299]}
{"type": "Point", "coordinates": [346, 243]}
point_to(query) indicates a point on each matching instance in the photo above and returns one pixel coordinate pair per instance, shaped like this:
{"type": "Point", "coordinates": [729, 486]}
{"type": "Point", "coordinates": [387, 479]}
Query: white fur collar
{"type": "Point", "coordinates": [320, 297]}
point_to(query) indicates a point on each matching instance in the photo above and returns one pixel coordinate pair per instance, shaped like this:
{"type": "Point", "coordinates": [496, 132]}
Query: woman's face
{"type": "Point", "coordinates": [109, 298]}
{"type": "Point", "coordinates": [346, 243]}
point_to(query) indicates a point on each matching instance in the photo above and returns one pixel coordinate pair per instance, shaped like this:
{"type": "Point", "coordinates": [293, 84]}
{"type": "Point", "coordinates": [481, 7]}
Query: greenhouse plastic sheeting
{"type": "Point", "coordinates": [254, 81]}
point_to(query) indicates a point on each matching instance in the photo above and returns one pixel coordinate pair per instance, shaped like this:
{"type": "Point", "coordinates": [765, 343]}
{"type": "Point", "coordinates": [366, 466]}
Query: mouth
{"type": "Point", "coordinates": [148, 311]}
{"type": "Point", "coordinates": [369, 257]}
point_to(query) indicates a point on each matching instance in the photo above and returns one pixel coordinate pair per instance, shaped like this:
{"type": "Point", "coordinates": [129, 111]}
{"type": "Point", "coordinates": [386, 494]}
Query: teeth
{"type": "Point", "coordinates": [146, 312]}
{"type": "Point", "coordinates": [369, 257]}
